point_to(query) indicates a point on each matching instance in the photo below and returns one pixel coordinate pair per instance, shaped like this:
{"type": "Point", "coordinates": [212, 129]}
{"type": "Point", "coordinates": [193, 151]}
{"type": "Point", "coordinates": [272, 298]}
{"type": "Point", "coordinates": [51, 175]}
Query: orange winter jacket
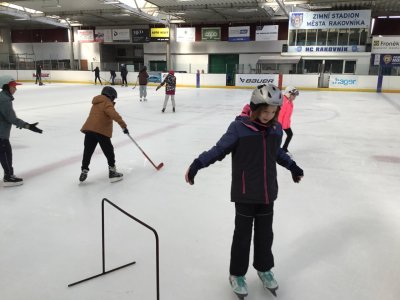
{"type": "Point", "coordinates": [101, 117]}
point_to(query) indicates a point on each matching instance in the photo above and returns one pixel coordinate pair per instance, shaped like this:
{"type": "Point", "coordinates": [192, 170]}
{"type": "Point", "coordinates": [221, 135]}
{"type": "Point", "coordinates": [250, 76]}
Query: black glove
{"type": "Point", "coordinates": [125, 130]}
{"type": "Point", "coordinates": [193, 169]}
{"type": "Point", "coordinates": [33, 127]}
{"type": "Point", "coordinates": [297, 172]}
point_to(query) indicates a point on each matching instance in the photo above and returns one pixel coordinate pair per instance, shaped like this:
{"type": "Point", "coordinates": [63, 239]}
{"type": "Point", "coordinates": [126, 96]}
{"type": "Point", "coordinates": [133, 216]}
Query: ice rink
{"type": "Point", "coordinates": [337, 233]}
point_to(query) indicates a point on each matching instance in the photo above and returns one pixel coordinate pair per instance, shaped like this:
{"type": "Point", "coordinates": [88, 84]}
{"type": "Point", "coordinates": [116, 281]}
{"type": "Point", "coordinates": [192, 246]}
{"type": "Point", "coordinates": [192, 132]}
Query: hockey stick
{"type": "Point", "coordinates": [137, 145]}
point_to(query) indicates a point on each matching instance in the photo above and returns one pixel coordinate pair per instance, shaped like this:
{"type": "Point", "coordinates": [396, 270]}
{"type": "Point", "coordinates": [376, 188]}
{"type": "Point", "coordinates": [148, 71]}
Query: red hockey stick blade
{"type": "Point", "coordinates": [160, 166]}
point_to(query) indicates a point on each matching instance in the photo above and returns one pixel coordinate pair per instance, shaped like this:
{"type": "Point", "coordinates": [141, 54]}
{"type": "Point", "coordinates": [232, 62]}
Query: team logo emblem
{"type": "Point", "coordinates": [387, 59]}
{"type": "Point", "coordinates": [296, 19]}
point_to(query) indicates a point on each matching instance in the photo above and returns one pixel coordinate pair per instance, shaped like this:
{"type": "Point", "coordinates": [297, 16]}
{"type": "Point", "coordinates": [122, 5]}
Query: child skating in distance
{"type": "Point", "coordinates": [254, 142]}
{"type": "Point", "coordinates": [285, 115]}
{"type": "Point", "coordinates": [98, 129]}
{"type": "Point", "coordinates": [170, 87]}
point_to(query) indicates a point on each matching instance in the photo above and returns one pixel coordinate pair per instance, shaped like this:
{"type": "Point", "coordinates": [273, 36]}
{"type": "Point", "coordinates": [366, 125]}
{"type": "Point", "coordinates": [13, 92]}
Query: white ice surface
{"type": "Point", "coordinates": [337, 233]}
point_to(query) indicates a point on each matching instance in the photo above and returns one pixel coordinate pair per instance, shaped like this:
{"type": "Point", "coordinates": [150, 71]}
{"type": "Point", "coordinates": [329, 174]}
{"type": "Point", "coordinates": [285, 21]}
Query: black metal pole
{"type": "Point", "coordinates": [103, 248]}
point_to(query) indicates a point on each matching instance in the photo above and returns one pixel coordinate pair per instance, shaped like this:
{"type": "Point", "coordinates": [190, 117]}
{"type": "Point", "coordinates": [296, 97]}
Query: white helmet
{"type": "Point", "coordinates": [291, 90]}
{"type": "Point", "coordinates": [266, 94]}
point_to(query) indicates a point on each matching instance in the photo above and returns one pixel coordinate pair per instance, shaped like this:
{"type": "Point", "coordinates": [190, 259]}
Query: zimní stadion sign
{"type": "Point", "coordinates": [330, 19]}
{"type": "Point", "coordinates": [337, 20]}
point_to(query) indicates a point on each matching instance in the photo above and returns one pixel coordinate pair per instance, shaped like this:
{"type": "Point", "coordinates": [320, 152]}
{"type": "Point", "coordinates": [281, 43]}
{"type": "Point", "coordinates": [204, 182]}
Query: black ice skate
{"type": "Point", "coordinates": [114, 175]}
{"type": "Point", "coordinates": [83, 175]}
{"type": "Point", "coordinates": [11, 180]}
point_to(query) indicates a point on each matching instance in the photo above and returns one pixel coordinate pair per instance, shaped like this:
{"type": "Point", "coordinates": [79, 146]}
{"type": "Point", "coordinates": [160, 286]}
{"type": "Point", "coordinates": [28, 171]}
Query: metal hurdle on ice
{"type": "Point", "coordinates": [104, 272]}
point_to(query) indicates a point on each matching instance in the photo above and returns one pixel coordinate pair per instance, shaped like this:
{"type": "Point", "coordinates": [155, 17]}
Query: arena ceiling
{"type": "Point", "coordinates": [90, 13]}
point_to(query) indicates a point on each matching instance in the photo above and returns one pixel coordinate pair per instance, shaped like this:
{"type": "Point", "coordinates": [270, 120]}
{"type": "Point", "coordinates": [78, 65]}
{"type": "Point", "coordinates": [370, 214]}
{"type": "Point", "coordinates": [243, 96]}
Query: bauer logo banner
{"type": "Point", "coordinates": [330, 19]}
{"type": "Point", "coordinates": [239, 34]}
{"type": "Point", "coordinates": [386, 45]}
{"type": "Point", "coordinates": [159, 34]}
{"type": "Point", "coordinates": [267, 33]}
{"type": "Point", "coordinates": [255, 79]}
{"type": "Point", "coordinates": [211, 34]}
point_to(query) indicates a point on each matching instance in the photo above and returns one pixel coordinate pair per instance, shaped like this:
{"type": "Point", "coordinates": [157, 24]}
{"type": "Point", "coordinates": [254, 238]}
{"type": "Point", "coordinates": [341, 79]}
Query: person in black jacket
{"type": "Point", "coordinates": [39, 75]}
{"type": "Point", "coordinates": [97, 75]}
{"type": "Point", "coordinates": [112, 76]}
{"type": "Point", "coordinates": [254, 142]}
{"type": "Point", "coordinates": [124, 74]}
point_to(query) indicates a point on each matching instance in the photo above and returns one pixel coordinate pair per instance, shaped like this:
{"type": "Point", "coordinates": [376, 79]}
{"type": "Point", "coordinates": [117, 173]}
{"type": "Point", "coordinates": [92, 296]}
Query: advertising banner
{"type": "Point", "coordinates": [121, 35]}
{"type": "Point", "coordinates": [185, 34]}
{"type": "Point", "coordinates": [330, 19]}
{"type": "Point", "coordinates": [255, 79]}
{"type": "Point", "coordinates": [267, 33]}
{"type": "Point", "coordinates": [140, 35]}
{"type": "Point", "coordinates": [310, 49]}
{"type": "Point", "coordinates": [159, 34]}
{"type": "Point", "coordinates": [211, 33]}
{"type": "Point", "coordinates": [239, 34]}
{"type": "Point", "coordinates": [386, 44]}
{"type": "Point", "coordinates": [84, 36]}
{"type": "Point", "coordinates": [389, 59]}
{"type": "Point", "coordinates": [343, 81]}
{"type": "Point", "coordinates": [103, 36]}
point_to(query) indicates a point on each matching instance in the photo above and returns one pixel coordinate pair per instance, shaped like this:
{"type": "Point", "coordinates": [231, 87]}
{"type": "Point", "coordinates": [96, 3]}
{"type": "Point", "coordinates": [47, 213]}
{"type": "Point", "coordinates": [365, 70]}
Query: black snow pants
{"type": "Point", "coordinates": [91, 141]}
{"type": "Point", "coordinates": [6, 157]}
{"type": "Point", "coordinates": [263, 259]}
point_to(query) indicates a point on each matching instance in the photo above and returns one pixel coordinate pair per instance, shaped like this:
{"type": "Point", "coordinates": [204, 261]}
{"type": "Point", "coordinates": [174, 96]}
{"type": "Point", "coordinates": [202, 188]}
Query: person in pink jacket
{"type": "Point", "coordinates": [285, 114]}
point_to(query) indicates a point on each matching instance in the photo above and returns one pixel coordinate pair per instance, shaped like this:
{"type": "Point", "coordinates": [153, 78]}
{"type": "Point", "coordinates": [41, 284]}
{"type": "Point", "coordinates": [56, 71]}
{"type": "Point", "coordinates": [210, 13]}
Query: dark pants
{"type": "Point", "coordinates": [91, 141]}
{"type": "Point", "coordinates": [124, 81]}
{"type": "Point", "coordinates": [113, 80]}
{"type": "Point", "coordinates": [289, 135]}
{"type": "Point", "coordinates": [263, 259]}
{"type": "Point", "coordinates": [38, 78]}
{"type": "Point", "coordinates": [6, 157]}
{"type": "Point", "coordinates": [97, 77]}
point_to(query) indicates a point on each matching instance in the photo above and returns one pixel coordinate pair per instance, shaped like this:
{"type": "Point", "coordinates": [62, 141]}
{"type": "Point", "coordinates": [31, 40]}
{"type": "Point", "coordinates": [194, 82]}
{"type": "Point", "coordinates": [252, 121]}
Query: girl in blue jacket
{"type": "Point", "coordinates": [254, 142]}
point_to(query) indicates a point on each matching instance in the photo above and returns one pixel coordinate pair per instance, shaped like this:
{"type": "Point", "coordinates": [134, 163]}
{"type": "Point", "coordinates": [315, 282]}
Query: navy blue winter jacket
{"type": "Point", "coordinates": [255, 151]}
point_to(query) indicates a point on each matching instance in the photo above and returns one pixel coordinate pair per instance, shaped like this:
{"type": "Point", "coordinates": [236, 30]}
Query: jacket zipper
{"type": "Point", "coordinates": [265, 168]}
{"type": "Point", "coordinates": [243, 184]}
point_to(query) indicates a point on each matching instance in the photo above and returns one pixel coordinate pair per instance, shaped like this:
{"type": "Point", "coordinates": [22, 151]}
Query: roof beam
{"type": "Point", "coordinates": [32, 17]}
{"type": "Point", "coordinates": [283, 7]}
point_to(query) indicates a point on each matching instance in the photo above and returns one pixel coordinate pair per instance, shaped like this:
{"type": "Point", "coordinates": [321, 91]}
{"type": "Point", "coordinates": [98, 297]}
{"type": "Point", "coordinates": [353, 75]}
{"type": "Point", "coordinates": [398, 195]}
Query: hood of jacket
{"type": "Point", "coordinates": [100, 99]}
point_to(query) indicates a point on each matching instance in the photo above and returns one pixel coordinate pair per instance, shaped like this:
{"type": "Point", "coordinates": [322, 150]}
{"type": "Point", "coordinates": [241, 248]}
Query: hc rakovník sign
{"type": "Point", "coordinates": [330, 19]}
{"type": "Point", "coordinates": [308, 49]}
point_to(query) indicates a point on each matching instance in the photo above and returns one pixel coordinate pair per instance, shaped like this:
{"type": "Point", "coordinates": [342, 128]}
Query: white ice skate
{"type": "Point", "coordinates": [239, 286]}
{"type": "Point", "coordinates": [268, 281]}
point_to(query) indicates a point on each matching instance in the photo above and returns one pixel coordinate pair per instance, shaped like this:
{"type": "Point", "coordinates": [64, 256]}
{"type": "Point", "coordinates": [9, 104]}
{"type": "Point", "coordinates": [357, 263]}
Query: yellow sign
{"type": "Point", "coordinates": [159, 32]}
